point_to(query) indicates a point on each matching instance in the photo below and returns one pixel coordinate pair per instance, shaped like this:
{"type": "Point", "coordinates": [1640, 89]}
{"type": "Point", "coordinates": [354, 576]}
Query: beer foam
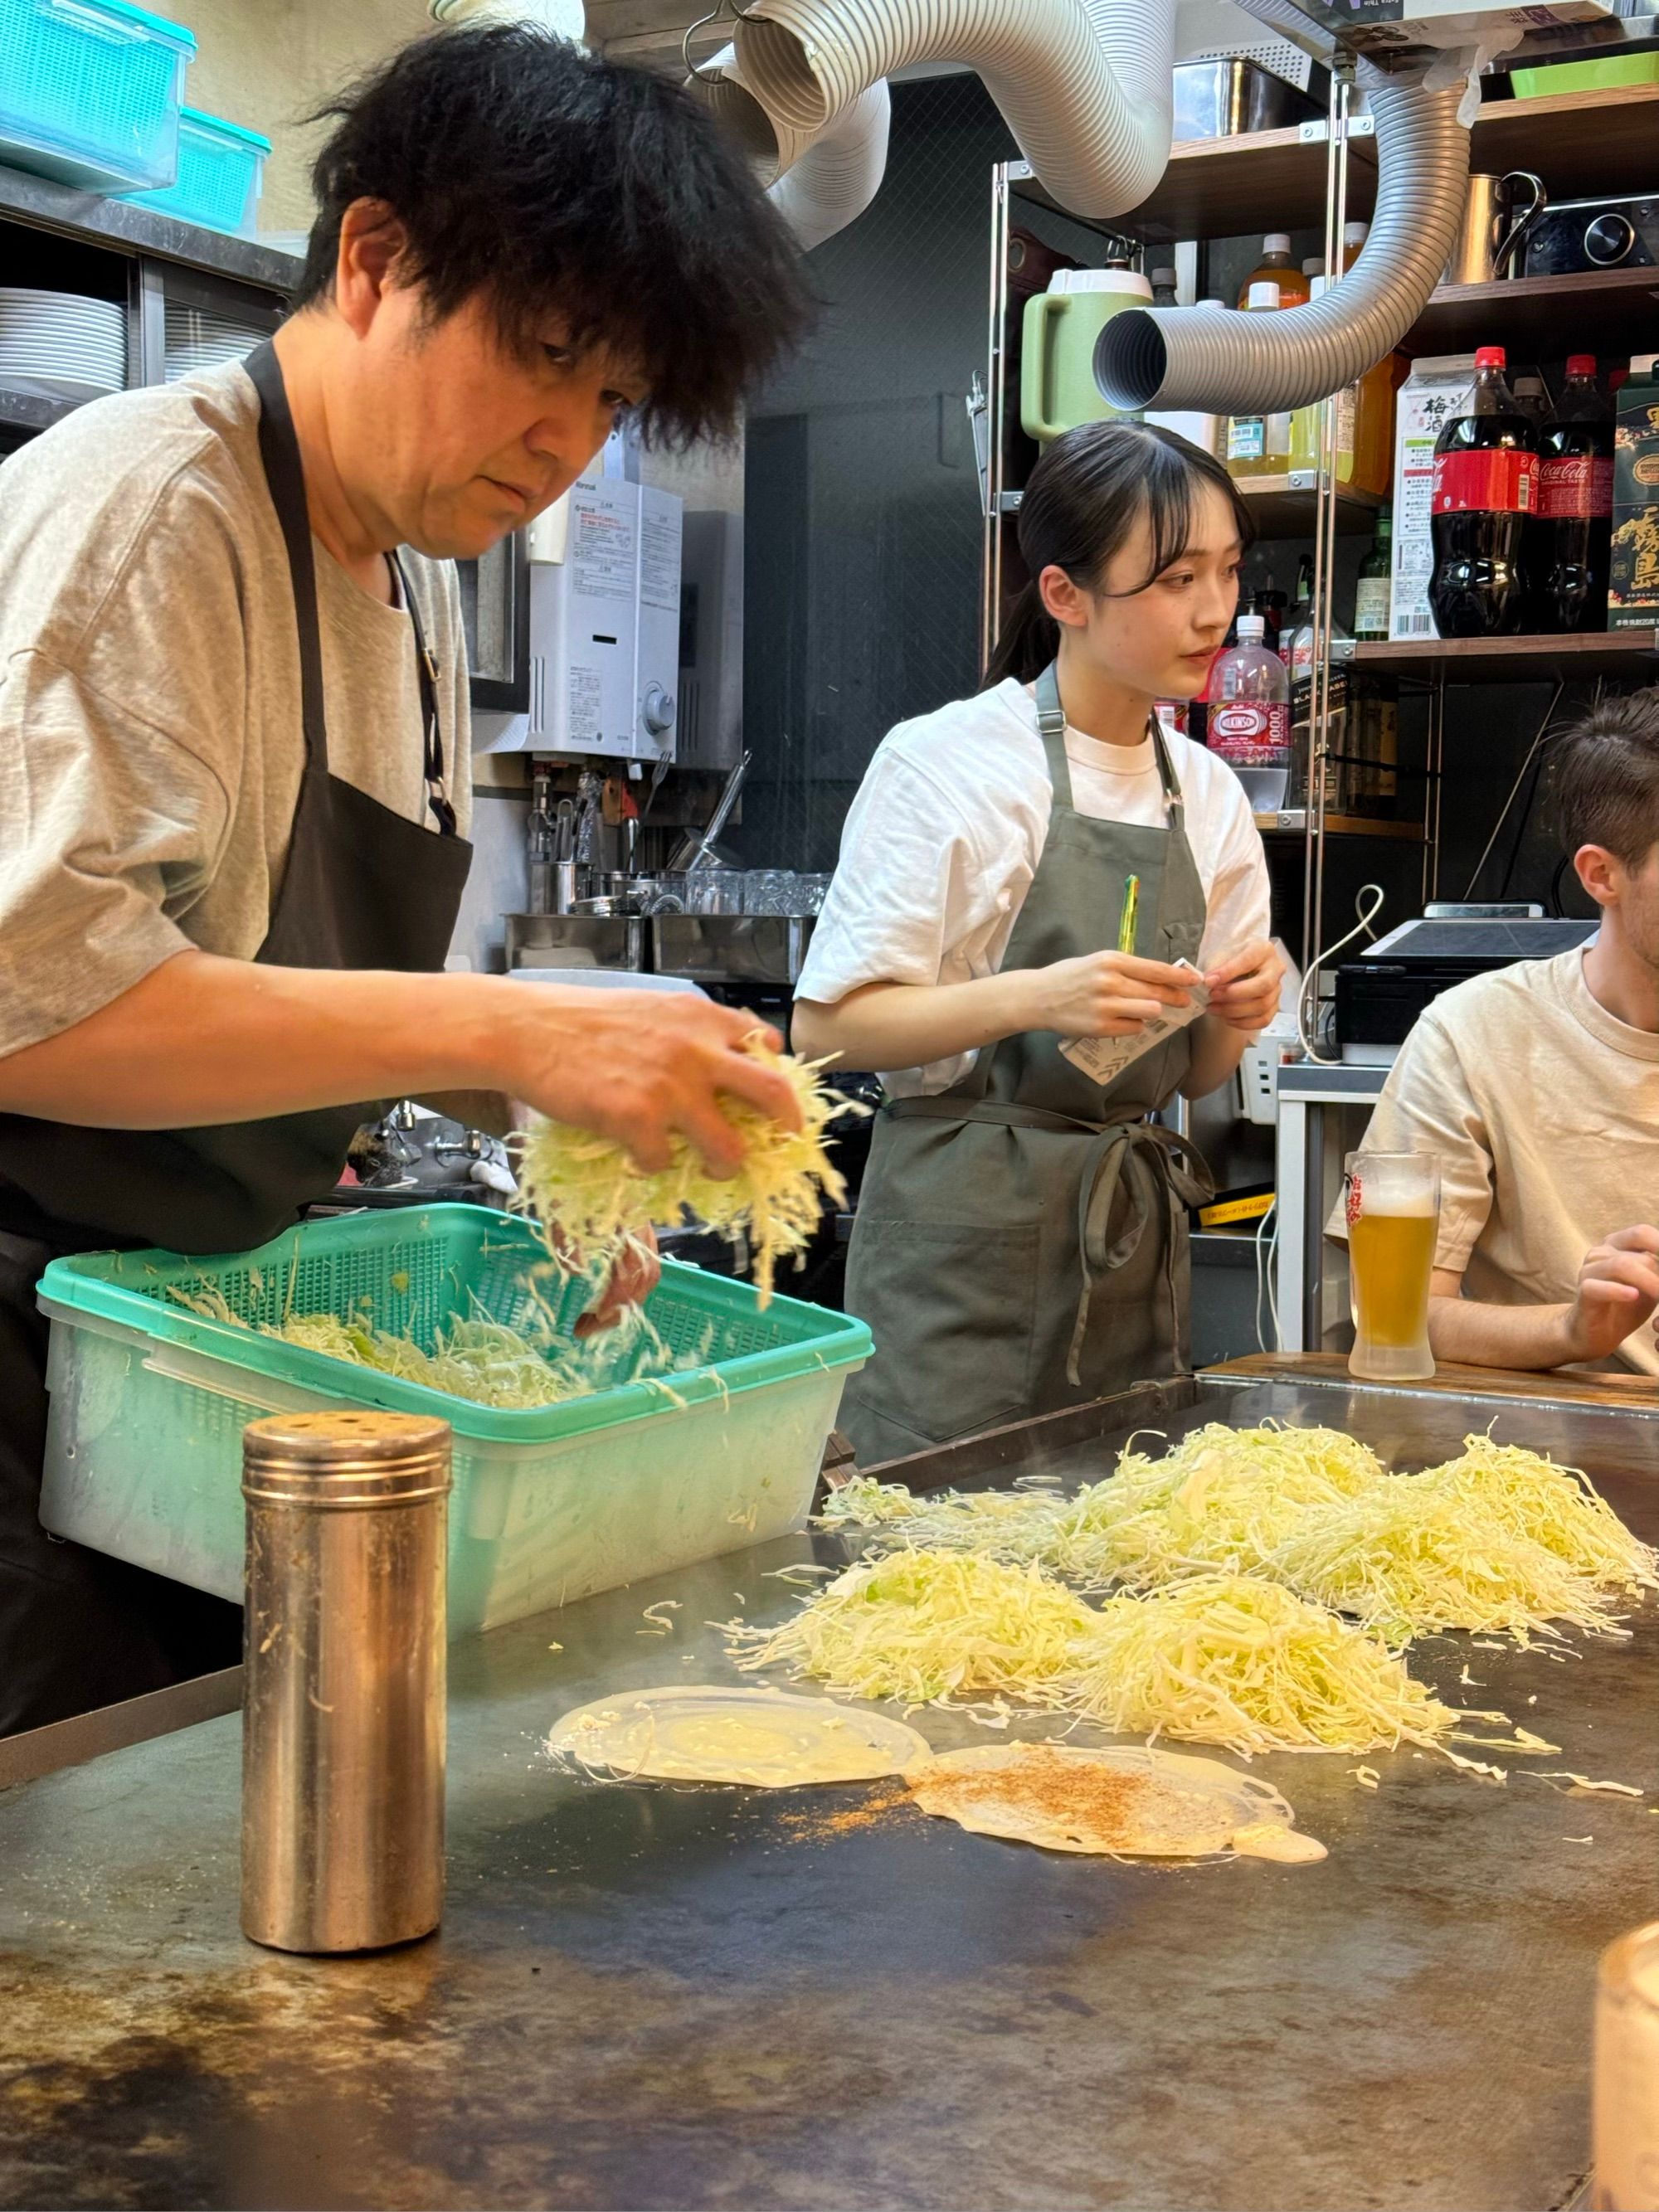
{"type": "Point", "coordinates": [1398, 1205]}
{"type": "Point", "coordinates": [1398, 1192]}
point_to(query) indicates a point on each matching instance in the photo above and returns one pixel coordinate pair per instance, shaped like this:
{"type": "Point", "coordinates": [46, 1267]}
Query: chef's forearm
{"type": "Point", "coordinates": [202, 1039]}
{"type": "Point", "coordinates": [1466, 1332]}
{"type": "Point", "coordinates": [1217, 1050]}
{"type": "Point", "coordinates": [889, 1025]}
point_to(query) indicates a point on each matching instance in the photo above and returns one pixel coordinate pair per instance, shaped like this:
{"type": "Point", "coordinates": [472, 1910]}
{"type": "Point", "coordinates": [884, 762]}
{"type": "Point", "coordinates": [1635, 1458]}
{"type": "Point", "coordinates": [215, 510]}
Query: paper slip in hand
{"type": "Point", "coordinates": [1105, 1059]}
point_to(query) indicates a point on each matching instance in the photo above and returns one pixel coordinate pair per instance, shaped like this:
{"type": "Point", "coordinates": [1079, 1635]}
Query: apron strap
{"type": "Point", "coordinates": [1176, 1169]}
{"type": "Point", "coordinates": [1174, 802]}
{"type": "Point", "coordinates": [1051, 727]}
{"type": "Point", "coordinates": [279, 449]}
{"type": "Point", "coordinates": [951, 1106]}
{"type": "Point", "coordinates": [432, 736]}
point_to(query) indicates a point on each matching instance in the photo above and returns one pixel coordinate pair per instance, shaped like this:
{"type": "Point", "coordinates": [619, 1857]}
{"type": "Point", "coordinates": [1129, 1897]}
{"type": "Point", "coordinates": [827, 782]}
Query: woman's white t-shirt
{"type": "Point", "coordinates": [945, 836]}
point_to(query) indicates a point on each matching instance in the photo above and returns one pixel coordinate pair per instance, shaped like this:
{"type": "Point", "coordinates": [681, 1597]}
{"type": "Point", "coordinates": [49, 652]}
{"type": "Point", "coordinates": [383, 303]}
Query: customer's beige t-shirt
{"type": "Point", "coordinates": [1543, 1112]}
{"type": "Point", "coordinates": [150, 742]}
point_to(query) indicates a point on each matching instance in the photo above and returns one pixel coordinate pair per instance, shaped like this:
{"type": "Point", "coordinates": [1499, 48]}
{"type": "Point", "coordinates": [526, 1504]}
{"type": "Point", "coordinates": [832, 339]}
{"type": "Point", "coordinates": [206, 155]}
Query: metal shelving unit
{"type": "Point", "coordinates": [142, 258]}
{"type": "Point", "coordinates": [52, 236]}
{"type": "Point", "coordinates": [1324, 173]}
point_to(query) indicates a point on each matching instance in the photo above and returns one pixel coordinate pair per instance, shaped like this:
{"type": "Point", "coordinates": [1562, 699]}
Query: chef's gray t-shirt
{"type": "Point", "coordinates": [150, 739]}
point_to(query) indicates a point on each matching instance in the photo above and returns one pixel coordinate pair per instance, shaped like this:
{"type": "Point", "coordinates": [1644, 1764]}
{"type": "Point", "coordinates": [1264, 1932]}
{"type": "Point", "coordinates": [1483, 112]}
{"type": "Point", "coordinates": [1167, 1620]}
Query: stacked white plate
{"type": "Point", "coordinates": [196, 339]}
{"type": "Point", "coordinates": [57, 345]}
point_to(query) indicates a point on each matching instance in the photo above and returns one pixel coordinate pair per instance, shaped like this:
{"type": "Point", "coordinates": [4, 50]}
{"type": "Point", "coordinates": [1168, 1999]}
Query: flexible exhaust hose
{"type": "Point", "coordinates": [819, 181]}
{"type": "Point", "coordinates": [840, 174]}
{"type": "Point", "coordinates": [1231, 364]}
{"type": "Point", "coordinates": [1085, 85]}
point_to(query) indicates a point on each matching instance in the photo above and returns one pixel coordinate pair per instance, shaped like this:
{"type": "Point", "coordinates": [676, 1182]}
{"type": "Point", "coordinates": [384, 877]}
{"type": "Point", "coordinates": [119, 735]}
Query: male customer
{"type": "Point", "coordinates": [1536, 1088]}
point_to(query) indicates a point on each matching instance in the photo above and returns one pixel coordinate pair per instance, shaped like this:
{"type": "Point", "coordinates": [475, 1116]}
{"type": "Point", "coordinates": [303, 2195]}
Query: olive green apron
{"type": "Point", "coordinates": [1021, 1242]}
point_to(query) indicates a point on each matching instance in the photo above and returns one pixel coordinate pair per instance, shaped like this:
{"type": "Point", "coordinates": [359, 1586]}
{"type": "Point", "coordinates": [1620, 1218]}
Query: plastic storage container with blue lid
{"type": "Point", "coordinates": [90, 92]}
{"type": "Point", "coordinates": [221, 175]}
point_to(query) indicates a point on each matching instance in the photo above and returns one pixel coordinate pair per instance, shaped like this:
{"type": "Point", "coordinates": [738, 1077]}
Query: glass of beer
{"type": "Point", "coordinates": [1394, 1212]}
{"type": "Point", "coordinates": [1627, 2095]}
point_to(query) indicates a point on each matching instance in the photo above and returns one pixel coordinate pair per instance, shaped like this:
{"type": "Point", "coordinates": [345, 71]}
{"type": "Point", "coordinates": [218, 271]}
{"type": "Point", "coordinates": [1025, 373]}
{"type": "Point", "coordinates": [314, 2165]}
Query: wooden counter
{"type": "Point", "coordinates": [1640, 1393]}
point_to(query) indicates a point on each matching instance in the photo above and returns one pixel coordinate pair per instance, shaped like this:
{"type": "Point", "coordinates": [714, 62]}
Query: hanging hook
{"type": "Point", "coordinates": [692, 29]}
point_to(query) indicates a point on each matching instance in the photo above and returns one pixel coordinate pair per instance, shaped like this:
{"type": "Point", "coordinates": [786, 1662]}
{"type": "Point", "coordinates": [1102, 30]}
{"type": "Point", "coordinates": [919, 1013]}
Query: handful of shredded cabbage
{"type": "Point", "coordinates": [592, 1201]}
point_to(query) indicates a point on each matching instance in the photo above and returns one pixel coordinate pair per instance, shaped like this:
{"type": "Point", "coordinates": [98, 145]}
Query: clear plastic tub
{"type": "Point", "coordinates": [149, 1400]}
{"type": "Point", "coordinates": [221, 175]}
{"type": "Point", "coordinates": [90, 92]}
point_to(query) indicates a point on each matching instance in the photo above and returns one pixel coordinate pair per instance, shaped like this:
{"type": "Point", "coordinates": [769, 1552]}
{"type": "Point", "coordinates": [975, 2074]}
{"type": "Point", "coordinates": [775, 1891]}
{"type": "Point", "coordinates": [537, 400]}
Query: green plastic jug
{"type": "Point", "coordinates": [1057, 388]}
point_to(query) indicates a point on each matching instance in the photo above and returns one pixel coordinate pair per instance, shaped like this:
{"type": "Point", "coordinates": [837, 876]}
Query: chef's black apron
{"type": "Point", "coordinates": [362, 887]}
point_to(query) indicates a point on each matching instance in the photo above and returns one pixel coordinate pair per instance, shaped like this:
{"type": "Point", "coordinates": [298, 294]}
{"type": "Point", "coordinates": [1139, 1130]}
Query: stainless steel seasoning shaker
{"type": "Point", "coordinates": [344, 1686]}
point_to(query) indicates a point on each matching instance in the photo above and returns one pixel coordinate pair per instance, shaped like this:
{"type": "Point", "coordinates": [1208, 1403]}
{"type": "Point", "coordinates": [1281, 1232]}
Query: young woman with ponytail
{"type": "Point", "coordinates": [1021, 1238]}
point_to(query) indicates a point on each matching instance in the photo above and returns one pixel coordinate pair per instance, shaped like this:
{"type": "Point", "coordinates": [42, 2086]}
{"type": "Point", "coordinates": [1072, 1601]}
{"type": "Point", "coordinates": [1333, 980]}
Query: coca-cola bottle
{"type": "Point", "coordinates": [1486, 488]}
{"type": "Point", "coordinates": [1573, 534]}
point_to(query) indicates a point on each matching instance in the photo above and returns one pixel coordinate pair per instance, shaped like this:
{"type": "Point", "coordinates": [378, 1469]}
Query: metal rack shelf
{"type": "Point", "coordinates": [1541, 316]}
{"type": "Point", "coordinates": [1320, 174]}
{"type": "Point", "coordinates": [1292, 822]}
{"type": "Point", "coordinates": [1286, 505]}
{"type": "Point", "coordinates": [1511, 660]}
{"type": "Point", "coordinates": [26, 410]}
{"type": "Point", "coordinates": [1268, 181]}
{"type": "Point", "coordinates": [89, 217]}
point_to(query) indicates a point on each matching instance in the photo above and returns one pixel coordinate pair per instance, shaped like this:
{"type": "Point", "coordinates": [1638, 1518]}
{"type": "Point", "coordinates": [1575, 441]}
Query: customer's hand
{"type": "Point", "coordinates": [1245, 990]}
{"type": "Point", "coordinates": [642, 1067]}
{"type": "Point", "coordinates": [1105, 994]}
{"type": "Point", "coordinates": [1618, 1291]}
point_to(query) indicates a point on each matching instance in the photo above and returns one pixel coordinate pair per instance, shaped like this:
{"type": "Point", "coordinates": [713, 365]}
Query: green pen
{"type": "Point", "coordinates": [1126, 928]}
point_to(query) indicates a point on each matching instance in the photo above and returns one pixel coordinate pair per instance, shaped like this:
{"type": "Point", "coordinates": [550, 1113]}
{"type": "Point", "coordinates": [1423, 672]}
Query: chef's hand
{"type": "Point", "coordinates": [642, 1067]}
{"type": "Point", "coordinates": [1105, 994]}
{"type": "Point", "coordinates": [636, 1274]}
{"type": "Point", "coordinates": [1618, 1291]}
{"type": "Point", "coordinates": [1245, 990]}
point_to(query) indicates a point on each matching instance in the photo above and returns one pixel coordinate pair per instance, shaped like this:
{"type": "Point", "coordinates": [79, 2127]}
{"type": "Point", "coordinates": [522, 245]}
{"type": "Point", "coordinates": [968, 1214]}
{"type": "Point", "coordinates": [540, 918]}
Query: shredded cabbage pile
{"type": "Point", "coordinates": [928, 1628]}
{"type": "Point", "coordinates": [1556, 1506]}
{"type": "Point", "coordinates": [479, 1359]}
{"type": "Point", "coordinates": [592, 1201]}
{"type": "Point", "coordinates": [1422, 1552]}
{"type": "Point", "coordinates": [1500, 1539]}
{"type": "Point", "coordinates": [1235, 1555]}
{"type": "Point", "coordinates": [1015, 1525]}
{"type": "Point", "coordinates": [1231, 1660]}
{"type": "Point", "coordinates": [1224, 1500]}
{"type": "Point", "coordinates": [1221, 1659]}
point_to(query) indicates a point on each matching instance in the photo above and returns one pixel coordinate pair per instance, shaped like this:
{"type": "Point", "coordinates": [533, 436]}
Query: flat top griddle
{"type": "Point", "coordinates": [672, 1997]}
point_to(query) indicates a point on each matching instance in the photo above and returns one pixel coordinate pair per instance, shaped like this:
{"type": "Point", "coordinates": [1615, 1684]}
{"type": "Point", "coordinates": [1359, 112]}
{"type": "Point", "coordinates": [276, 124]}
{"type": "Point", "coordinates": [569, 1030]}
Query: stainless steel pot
{"type": "Point", "coordinates": [1226, 99]}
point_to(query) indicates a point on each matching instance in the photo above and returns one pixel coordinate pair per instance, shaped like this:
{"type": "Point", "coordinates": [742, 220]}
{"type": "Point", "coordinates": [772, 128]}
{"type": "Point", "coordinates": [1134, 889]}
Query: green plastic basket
{"type": "Point", "coordinates": [150, 1399]}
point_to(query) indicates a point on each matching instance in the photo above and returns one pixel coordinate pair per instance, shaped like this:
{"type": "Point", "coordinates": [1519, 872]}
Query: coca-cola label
{"type": "Point", "coordinates": [1251, 733]}
{"type": "Point", "coordinates": [1497, 480]}
{"type": "Point", "coordinates": [1574, 486]}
